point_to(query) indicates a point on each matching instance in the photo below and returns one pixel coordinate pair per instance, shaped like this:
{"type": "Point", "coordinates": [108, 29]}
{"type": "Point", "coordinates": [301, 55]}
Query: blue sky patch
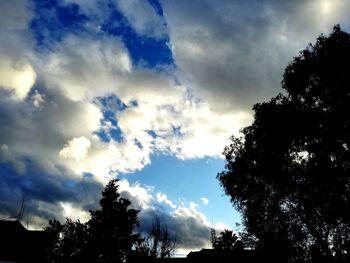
{"type": "Point", "coordinates": [153, 134]}
{"type": "Point", "coordinates": [143, 50]}
{"type": "Point", "coordinates": [189, 180]}
{"type": "Point", "coordinates": [110, 105]}
{"type": "Point", "coordinates": [54, 20]}
{"type": "Point", "coordinates": [138, 144]}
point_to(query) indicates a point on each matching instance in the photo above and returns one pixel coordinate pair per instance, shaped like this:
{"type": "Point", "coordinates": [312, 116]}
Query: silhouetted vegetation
{"type": "Point", "coordinates": [111, 228]}
{"type": "Point", "coordinates": [67, 242]}
{"type": "Point", "coordinates": [107, 237]}
{"type": "Point", "coordinates": [227, 240]}
{"type": "Point", "coordinates": [159, 244]}
{"type": "Point", "coordinates": [289, 174]}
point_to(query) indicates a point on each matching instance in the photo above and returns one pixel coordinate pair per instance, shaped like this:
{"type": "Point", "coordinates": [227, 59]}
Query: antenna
{"type": "Point", "coordinates": [212, 234]}
{"type": "Point", "coordinates": [20, 215]}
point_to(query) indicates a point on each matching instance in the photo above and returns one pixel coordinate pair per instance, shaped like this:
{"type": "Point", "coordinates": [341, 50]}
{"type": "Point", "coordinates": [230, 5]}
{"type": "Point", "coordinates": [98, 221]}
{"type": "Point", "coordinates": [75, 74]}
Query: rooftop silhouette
{"type": "Point", "coordinates": [18, 244]}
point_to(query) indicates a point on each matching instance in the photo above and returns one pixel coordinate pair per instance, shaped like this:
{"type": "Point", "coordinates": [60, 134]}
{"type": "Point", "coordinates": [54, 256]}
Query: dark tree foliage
{"type": "Point", "coordinates": [158, 244]}
{"type": "Point", "coordinates": [163, 243]}
{"type": "Point", "coordinates": [53, 251]}
{"type": "Point", "coordinates": [67, 242]}
{"type": "Point", "coordinates": [74, 241]}
{"type": "Point", "coordinates": [289, 174]}
{"type": "Point", "coordinates": [227, 240]}
{"type": "Point", "coordinates": [107, 237]}
{"type": "Point", "coordinates": [111, 227]}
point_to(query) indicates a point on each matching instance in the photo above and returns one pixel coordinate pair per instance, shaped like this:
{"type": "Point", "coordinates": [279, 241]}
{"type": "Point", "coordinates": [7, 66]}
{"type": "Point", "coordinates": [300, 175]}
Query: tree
{"type": "Point", "coordinates": [67, 242]}
{"type": "Point", "coordinates": [163, 243]}
{"type": "Point", "coordinates": [111, 228]}
{"type": "Point", "coordinates": [53, 249]}
{"type": "Point", "coordinates": [227, 240]}
{"type": "Point", "coordinates": [107, 237]}
{"type": "Point", "coordinates": [289, 174]}
{"type": "Point", "coordinates": [158, 244]}
{"type": "Point", "coordinates": [73, 242]}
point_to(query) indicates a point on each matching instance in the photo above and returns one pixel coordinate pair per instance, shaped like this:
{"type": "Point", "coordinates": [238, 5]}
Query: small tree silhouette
{"type": "Point", "coordinates": [158, 244]}
{"type": "Point", "coordinates": [67, 242]}
{"type": "Point", "coordinates": [227, 240]}
{"type": "Point", "coordinates": [107, 237]}
{"type": "Point", "coordinates": [111, 227]}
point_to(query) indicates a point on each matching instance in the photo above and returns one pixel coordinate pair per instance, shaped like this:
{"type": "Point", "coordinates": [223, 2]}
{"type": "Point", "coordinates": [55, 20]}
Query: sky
{"type": "Point", "coordinates": [146, 91]}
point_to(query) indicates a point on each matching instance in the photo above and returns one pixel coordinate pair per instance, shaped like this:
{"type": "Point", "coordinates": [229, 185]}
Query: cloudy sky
{"type": "Point", "coordinates": [148, 91]}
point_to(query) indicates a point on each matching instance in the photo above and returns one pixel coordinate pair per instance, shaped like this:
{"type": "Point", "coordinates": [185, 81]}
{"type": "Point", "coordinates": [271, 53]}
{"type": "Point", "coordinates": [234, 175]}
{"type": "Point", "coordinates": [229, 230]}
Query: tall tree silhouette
{"type": "Point", "coordinates": [289, 174]}
{"type": "Point", "coordinates": [111, 227]}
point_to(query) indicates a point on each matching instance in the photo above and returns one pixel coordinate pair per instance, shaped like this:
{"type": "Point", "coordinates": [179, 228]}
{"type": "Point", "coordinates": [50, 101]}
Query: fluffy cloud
{"type": "Point", "coordinates": [18, 78]}
{"type": "Point", "coordinates": [140, 196]}
{"type": "Point", "coordinates": [162, 198]}
{"type": "Point", "coordinates": [17, 74]}
{"type": "Point", "coordinates": [84, 67]}
{"type": "Point", "coordinates": [70, 210]}
{"type": "Point", "coordinates": [77, 148]}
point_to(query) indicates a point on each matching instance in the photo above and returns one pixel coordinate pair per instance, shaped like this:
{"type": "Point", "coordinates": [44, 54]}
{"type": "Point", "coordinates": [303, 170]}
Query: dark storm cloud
{"type": "Point", "coordinates": [186, 225]}
{"type": "Point", "coordinates": [31, 136]}
{"type": "Point", "coordinates": [42, 193]}
{"type": "Point", "coordinates": [234, 52]}
{"type": "Point", "coordinates": [189, 231]}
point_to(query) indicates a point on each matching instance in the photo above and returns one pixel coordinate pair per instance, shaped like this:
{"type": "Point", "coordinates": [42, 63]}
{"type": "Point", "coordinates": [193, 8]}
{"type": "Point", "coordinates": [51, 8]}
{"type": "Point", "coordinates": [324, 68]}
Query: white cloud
{"type": "Point", "coordinates": [205, 200]}
{"type": "Point", "coordinates": [143, 17]}
{"type": "Point", "coordinates": [200, 133]}
{"type": "Point", "coordinates": [18, 77]}
{"type": "Point", "coordinates": [17, 74]}
{"type": "Point", "coordinates": [191, 211]}
{"type": "Point", "coordinates": [76, 148]}
{"type": "Point", "coordinates": [219, 227]}
{"type": "Point", "coordinates": [38, 134]}
{"type": "Point", "coordinates": [84, 67]}
{"type": "Point", "coordinates": [162, 198]}
{"type": "Point", "coordinates": [70, 210]}
{"type": "Point", "coordinates": [141, 195]}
